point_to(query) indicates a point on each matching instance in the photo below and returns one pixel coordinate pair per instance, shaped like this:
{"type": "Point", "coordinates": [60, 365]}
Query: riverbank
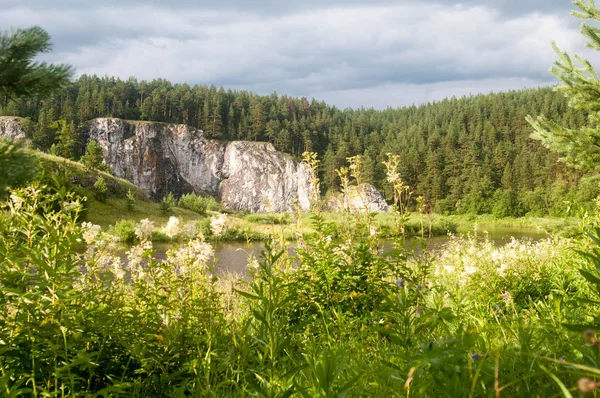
{"type": "Point", "coordinates": [242, 227]}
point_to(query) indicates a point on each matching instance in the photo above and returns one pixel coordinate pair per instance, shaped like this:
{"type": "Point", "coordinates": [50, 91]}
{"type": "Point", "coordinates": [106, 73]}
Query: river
{"type": "Point", "coordinates": [233, 257]}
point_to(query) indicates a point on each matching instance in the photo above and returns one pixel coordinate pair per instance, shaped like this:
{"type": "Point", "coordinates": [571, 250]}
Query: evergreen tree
{"type": "Point", "coordinates": [92, 158]}
{"type": "Point", "coordinates": [20, 76]}
{"type": "Point", "coordinates": [67, 139]}
{"type": "Point", "coordinates": [579, 147]}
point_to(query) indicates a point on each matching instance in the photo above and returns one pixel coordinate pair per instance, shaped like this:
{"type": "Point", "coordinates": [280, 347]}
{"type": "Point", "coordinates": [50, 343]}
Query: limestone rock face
{"type": "Point", "coordinates": [12, 127]}
{"type": "Point", "coordinates": [157, 157]}
{"type": "Point", "coordinates": [161, 158]}
{"type": "Point", "coordinates": [261, 179]}
{"type": "Point", "coordinates": [359, 198]}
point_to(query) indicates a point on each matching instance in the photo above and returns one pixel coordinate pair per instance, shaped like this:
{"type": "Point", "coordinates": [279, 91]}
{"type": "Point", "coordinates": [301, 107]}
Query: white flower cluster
{"type": "Point", "coordinates": [143, 229]}
{"type": "Point", "coordinates": [195, 255]}
{"type": "Point", "coordinates": [17, 201]}
{"type": "Point", "coordinates": [189, 231]}
{"type": "Point", "coordinates": [463, 257]}
{"type": "Point", "coordinates": [172, 227]}
{"type": "Point", "coordinates": [217, 224]}
{"type": "Point", "coordinates": [90, 232]}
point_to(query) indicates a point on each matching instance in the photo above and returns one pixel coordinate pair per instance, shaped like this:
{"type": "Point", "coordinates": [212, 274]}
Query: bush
{"type": "Point", "coordinates": [278, 219]}
{"type": "Point", "coordinates": [213, 205]}
{"type": "Point", "coordinates": [130, 200]}
{"type": "Point", "coordinates": [193, 202]}
{"type": "Point", "coordinates": [167, 203]}
{"type": "Point", "coordinates": [535, 202]}
{"type": "Point", "coordinates": [443, 206]}
{"type": "Point", "coordinates": [101, 189]}
{"type": "Point", "coordinates": [124, 230]}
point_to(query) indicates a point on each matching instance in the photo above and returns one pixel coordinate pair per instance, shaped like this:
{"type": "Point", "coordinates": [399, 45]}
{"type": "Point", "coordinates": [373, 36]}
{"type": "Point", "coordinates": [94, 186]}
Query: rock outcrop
{"type": "Point", "coordinates": [157, 157]}
{"type": "Point", "coordinates": [261, 179]}
{"type": "Point", "coordinates": [359, 198]}
{"type": "Point", "coordinates": [161, 158]}
{"type": "Point", "coordinates": [12, 127]}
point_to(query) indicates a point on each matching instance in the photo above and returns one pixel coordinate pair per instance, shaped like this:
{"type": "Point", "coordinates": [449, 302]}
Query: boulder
{"type": "Point", "coordinates": [359, 198]}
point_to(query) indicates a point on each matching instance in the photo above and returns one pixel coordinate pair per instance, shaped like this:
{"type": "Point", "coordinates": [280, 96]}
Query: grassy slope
{"type": "Point", "coordinates": [114, 208]}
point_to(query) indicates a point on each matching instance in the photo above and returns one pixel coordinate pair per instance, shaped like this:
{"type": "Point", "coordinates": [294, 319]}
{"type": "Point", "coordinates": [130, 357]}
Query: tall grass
{"type": "Point", "coordinates": [337, 318]}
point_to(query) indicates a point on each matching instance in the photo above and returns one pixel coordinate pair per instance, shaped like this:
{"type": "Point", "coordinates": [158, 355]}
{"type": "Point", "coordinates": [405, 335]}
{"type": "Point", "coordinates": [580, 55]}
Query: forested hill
{"type": "Point", "coordinates": [463, 155]}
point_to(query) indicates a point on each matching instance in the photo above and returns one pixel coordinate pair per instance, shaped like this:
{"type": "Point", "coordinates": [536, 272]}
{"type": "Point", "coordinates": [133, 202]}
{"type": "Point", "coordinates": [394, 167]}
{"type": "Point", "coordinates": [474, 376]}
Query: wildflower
{"type": "Point", "coordinates": [217, 224]}
{"type": "Point", "coordinates": [172, 227]}
{"type": "Point", "coordinates": [116, 269]}
{"type": "Point", "coordinates": [189, 230]}
{"type": "Point", "coordinates": [253, 265]}
{"type": "Point", "coordinates": [143, 230]}
{"type": "Point", "coordinates": [17, 201]}
{"type": "Point", "coordinates": [585, 385]}
{"type": "Point", "coordinates": [474, 357]}
{"type": "Point", "coordinates": [372, 231]}
{"type": "Point", "coordinates": [400, 283]}
{"type": "Point", "coordinates": [135, 256]}
{"type": "Point", "coordinates": [195, 255]}
{"type": "Point", "coordinates": [507, 297]}
{"type": "Point", "coordinates": [90, 232]}
{"type": "Point", "coordinates": [70, 206]}
{"type": "Point", "coordinates": [497, 307]}
{"type": "Point", "coordinates": [470, 270]}
{"type": "Point", "coordinates": [561, 360]}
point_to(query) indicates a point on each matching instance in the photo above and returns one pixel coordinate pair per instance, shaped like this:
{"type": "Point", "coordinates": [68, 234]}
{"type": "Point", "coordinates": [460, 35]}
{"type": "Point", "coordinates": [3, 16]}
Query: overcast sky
{"type": "Point", "coordinates": [348, 53]}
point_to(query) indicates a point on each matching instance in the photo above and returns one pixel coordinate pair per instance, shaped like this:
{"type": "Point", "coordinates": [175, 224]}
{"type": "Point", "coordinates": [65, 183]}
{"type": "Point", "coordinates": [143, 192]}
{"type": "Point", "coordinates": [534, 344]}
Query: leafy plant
{"type": "Point", "coordinates": [125, 231]}
{"type": "Point", "coordinates": [101, 189]}
{"type": "Point", "coordinates": [130, 200]}
{"type": "Point", "coordinates": [167, 203]}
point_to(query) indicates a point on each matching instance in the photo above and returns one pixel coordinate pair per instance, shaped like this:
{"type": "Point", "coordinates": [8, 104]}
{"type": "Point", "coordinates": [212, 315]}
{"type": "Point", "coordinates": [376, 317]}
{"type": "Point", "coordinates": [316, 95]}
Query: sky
{"type": "Point", "coordinates": [349, 53]}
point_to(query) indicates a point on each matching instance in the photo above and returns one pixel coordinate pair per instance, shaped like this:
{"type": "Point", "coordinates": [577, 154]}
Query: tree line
{"type": "Point", "coordinates": [462, 155]}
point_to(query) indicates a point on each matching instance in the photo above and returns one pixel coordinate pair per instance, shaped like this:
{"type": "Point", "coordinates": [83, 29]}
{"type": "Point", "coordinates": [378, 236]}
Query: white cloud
{"type": "Point", "coordinates": [391, 53]}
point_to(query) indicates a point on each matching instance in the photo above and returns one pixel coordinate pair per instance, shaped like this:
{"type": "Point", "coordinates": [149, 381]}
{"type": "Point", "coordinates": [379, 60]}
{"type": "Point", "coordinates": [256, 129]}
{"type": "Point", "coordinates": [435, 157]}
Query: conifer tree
{"type": "Point", "coordinates": [20, 76]}
{"type": "Point", "coordinates": [578, 147]}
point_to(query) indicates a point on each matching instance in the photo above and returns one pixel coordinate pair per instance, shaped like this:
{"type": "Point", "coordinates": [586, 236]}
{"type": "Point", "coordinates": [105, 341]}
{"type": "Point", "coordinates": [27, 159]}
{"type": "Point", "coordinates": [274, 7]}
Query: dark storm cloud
{"type": "Point", "coordinates": [351, 53]}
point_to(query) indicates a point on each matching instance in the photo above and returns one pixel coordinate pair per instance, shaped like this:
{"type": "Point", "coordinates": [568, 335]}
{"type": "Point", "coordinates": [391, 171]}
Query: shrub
{"type": "Point", "coordinates": [443, 206]}
{"type": "Point", "coordinates": [124, 230]}
{"type": "Point", "coordinates": [193, 202]}
{"type": "Point", "coordinates": [130, 200]}
{"type": "Point", "coordinates": [535, 202]}
{"type": "Point", "coordinates": [101, 189]}
{"type": "Point", "coordinates": [213, 205]}
{"type": "Point", "coordinates": [278, 219]}
{"type": "Point", "coordinates": [167, 203]}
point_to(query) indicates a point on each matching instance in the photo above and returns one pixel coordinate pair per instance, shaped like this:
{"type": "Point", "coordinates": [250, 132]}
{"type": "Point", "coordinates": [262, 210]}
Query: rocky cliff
{"type": "Point", "coordinates": [161, 158]}
{"type": "Point", "coordinates": [259, 178]}
{"type": "Point", "coordinates": [12, 127]}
